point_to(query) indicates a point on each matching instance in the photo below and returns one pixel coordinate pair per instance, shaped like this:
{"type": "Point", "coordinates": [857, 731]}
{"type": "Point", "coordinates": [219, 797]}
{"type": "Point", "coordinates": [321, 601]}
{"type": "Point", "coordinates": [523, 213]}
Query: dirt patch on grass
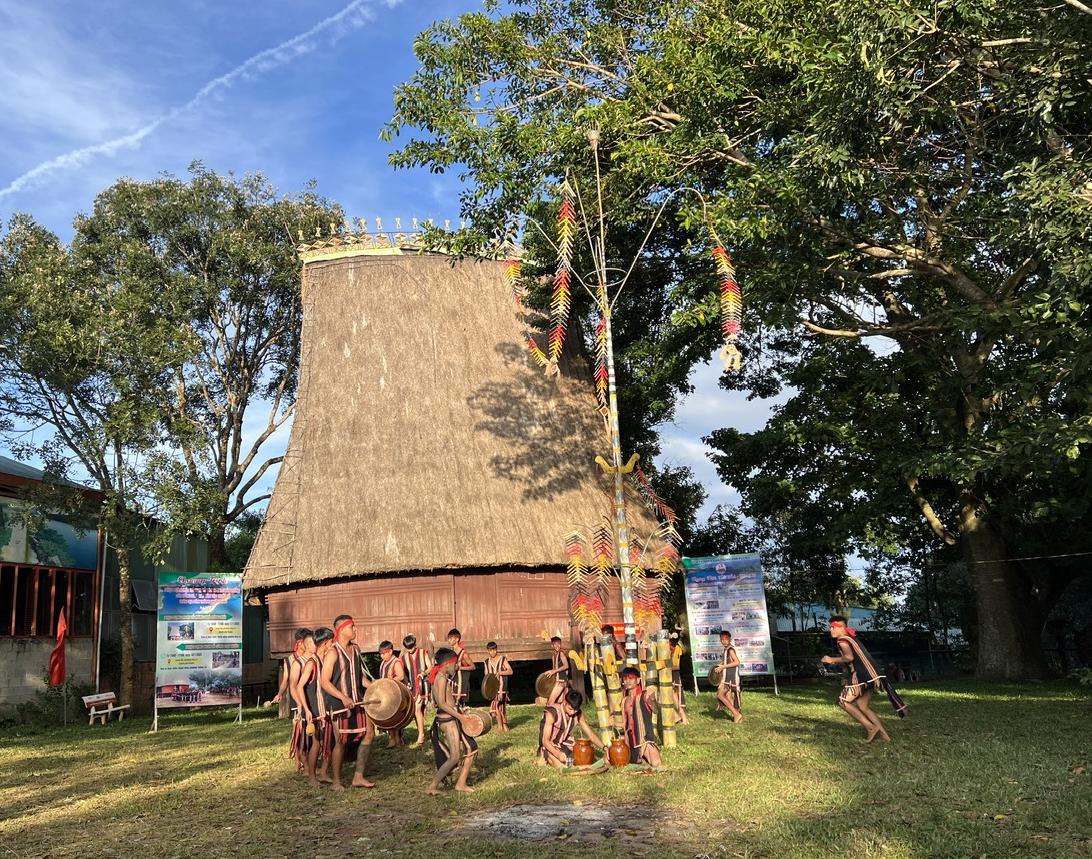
{"type": "Point", "coordinates": [573, 821]}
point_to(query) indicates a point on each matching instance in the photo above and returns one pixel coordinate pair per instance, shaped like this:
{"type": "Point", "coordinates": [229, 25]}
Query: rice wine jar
{"type": "Point", "coordinates": [618, 752]}
{"type": "Point", "coordinates": [583, 753]}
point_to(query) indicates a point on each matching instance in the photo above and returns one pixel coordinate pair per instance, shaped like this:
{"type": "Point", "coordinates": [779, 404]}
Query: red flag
{"type": "Point", "coordinates": [56, 658]}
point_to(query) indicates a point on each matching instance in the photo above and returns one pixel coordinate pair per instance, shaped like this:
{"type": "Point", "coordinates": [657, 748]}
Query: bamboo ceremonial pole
{"type": "Point", "coordinates": [665, 690]}
{"type": "Point", "coordinates": [599, 693]}
{"type": "Point", "coordinates": [613, 682]}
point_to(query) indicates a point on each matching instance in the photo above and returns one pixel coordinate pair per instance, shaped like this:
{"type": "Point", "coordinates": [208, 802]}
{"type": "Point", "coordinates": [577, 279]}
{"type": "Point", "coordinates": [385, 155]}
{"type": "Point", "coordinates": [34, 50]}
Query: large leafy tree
{"type": "Point", "coordinates": [224, 248]}
{"type": "Point", "coordinates": [904, 174]}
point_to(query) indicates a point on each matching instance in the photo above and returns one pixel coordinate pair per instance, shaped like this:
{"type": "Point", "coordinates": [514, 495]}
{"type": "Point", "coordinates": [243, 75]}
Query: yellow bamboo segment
{"type": "Point", "coordinates": [665, 690]}
{"type": "Point", "coordinates": [599, 692]}
{"type": "Point", "coordinates": [613, 681]}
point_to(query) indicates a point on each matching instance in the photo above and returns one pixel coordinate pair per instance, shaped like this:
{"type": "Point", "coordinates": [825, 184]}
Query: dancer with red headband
{"type": "Point", "coordinates": [729, 692]}
{"type": "Point", "coordinates": [555, 731]}
{"type": "Point", "coordinates": [283, 699]}
{"type": "Point", "coordinates": [416, 662]}
{"type": "Point", "coordinates": [344, 681]}
{"type": "Point", "coordinates": [317, 737]}
{"type": "Point", "coordinates": [450, 742]}
{"type": "Point", "coordinates": [861, 681]}
{"type": "Point", "coordinates": [637, 708]}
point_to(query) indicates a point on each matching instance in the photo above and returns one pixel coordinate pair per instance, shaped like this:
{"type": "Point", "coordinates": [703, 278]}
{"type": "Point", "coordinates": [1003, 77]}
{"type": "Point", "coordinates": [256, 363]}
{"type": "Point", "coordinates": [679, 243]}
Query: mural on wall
{"type": "Point", "coordinates": [49, 542]}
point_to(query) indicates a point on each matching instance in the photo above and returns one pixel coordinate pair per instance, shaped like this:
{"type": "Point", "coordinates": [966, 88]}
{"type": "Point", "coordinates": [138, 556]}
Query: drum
{"type": "Point", "coordinates": [388, 704]}
{"type": "Point", "coordinates": [491, 686]}
{"type": "Point", "coordinates": [477, 722]}
{"type": "Point", "coordinates": [545, 684]}
{"type": "Point", "coordinates": [715, 673]}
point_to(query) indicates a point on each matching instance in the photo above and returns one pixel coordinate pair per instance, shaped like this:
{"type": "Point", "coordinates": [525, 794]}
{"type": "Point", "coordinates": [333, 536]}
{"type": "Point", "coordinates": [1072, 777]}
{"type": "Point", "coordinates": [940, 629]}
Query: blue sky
{"type": "Point", "coordinates": [90, 92]}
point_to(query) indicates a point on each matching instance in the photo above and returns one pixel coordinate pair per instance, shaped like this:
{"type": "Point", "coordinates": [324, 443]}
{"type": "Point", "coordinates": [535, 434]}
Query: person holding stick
{"type": "Point", "coordinates": [555, 731]}
{"type": "Point", "coordinates": [416, 662]}
{"type": "Point", "coordinates": [730, 689]}
{"type": "Point", "coordinates": [497, 663]}
{"type": "Point", "coordinates": [344, 681]}
{"type": "Point", "coordinates": [451, 745]}
{"type": "Point", "coordinates": [861, 681]}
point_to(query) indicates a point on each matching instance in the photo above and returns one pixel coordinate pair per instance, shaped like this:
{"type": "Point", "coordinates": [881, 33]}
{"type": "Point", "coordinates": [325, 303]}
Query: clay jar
{"type": "Point", "coordinates": [618, 752]}
{"type": "Point", "coordinates": [583, 753]}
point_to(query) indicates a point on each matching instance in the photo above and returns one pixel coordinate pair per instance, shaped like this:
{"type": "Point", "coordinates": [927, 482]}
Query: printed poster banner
{"type": "Point", "coordinates": [728, 592]}
{"type": "Point", "coordinates": [199, 649]}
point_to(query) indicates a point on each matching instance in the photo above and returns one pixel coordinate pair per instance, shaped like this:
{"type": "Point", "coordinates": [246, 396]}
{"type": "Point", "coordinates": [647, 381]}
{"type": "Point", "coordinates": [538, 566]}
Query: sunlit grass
{"type": "Point", "coordinates": [978, 770]}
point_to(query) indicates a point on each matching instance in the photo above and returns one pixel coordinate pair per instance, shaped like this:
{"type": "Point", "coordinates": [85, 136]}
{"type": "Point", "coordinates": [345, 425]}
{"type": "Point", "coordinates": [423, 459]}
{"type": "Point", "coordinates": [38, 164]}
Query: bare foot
{"type": "Point", "coordinates": [464, 788]}
{"type": "Point", "coordinates": [886, 737]}
{"type": "Point", "coordinates": [336, 785]}
{"type": "Point", "coordinates": [875, 732]}
{"type": "Point", "coordinates": [314, 782]}
{"type": "Point", "coordinates": [322, 778]}
{"type": "Point", "coordinates": [360, 781]}
{"type": "Point", "coordinates": [432, 790]}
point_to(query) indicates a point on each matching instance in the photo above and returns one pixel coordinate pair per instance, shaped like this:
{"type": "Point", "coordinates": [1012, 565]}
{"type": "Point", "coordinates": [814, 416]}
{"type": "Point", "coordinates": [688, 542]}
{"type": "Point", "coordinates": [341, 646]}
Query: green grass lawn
{"type": "Point", "coordinates": [978, 770]}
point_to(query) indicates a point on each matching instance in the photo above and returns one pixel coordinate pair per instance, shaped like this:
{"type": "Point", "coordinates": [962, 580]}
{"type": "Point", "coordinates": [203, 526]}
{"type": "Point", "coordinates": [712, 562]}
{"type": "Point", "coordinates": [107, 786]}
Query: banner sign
{"type": "Point", "coordinates": [727, 592]}
{"type": "Point", "coordinates": [199, 648]}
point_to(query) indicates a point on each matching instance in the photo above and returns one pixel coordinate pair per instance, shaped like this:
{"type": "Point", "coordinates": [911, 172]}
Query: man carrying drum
{"type": "Point", "coordinates": [391, 668]}
{"type": "Point", "coordinates": [343, 682]}
{"type": "Point", "coordinates": [497, 665]}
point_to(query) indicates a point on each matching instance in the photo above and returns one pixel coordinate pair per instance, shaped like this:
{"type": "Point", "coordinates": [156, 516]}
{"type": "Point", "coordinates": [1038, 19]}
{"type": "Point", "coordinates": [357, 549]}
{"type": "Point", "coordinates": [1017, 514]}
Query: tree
{"type": "Point", "coordinates": [917, 177]}
{"type": "Point", "coordinates": [225, 248]}
{"type": "Point", "coordinates": [88, 344]}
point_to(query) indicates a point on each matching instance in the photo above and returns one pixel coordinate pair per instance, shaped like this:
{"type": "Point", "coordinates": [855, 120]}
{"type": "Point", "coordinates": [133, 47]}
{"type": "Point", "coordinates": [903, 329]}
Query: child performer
{"type": "Point", "coordinates": [417, 661]}
{"type": "Point", "coordinates": [637, 709]}
{"type": "Point", "coordinates": [560, 672]}
{"type": "Point", "coordinates": [466, 668]}
{"type": "Point", "coordinates": [728, 693]}
{"type": "Point", "coordinates": [316, 726]}
{"type": "Point", "coordinates": [343, 680]}
{"type": "Point", "coordinates": [391, 668]}
{"type": "Point", "coordinates": [862, 681]}
{"type": "Point", "coordinates": [555, 731]}
{"type": "Point", "coordinates": [450, 743]}
{"type": "Point", "coordinates": [677, 651]}
{"type": "Point", "coordinates": [303, 647]}
{"type": "Point", "coordinates": [497, 663]}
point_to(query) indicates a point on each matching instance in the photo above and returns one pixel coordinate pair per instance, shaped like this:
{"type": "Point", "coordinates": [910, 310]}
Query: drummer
{"type": "Point", "coordinates": [560, 671]}
{"type": "Point", "coordinates": [391, 668]}
{"type": "Point", "coordinates": [416, 662]}
{"type": "Point", "coordinates": [555, 731]}
{"type": "Point", "coordinates": [496, 663]}
{"type": "Point", "coordinates": [466, 668]}
{"type": "Point", "coordinates": [343, 682]}
{"type": "Point", "coordinates": [451, 744]}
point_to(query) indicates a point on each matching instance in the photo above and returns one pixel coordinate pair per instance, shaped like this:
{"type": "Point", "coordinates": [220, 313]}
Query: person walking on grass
{"type": "Point", "coordinates": [497, 663]}
{"type": "Point", "coordinates": [861, 681]}
{"type": "Point", "coordinates": [729, 691]}
{"type": "Point", "coordinates": [451, 745]}
{"type": "Point", "coordinates": [343, 682]}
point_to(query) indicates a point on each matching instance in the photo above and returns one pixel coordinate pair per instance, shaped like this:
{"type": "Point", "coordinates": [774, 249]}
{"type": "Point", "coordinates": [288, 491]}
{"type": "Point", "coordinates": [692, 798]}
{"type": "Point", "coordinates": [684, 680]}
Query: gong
{"type": "Point", "coordinates": [491, 686]}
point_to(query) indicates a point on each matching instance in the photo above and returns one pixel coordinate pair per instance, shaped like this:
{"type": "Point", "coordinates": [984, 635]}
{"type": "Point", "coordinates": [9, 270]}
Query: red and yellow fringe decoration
{"type": "Point", "coordinates": [513, 273]}
{"type": "Point", "coordinates": [731, 308]}
{"type": "Point", "coordinates": [602, 376]}
{"type": "Point", "coordinates": [562, 297]}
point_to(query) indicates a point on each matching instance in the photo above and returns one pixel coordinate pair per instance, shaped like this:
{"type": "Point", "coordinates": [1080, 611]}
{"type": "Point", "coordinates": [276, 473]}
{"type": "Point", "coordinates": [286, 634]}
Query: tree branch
{"type": "Point", "coordinates": [929, 513]}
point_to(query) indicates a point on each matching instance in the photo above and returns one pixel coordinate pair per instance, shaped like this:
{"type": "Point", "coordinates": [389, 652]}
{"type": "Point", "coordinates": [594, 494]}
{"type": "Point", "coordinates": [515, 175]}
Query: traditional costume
{"type": "Point", "coordinates": [639, 729]}
{"type": "Point", "coordinates": [300, 742]}
{"type": "Point", "coordinates": [862, 674]}
{"type": "Point", "coordinates": [440, 749]}
{"type": "Point", "coordinates": [561, 735]}
{"type": "Point", "coordinates": [462, 682]}
{"type": "Point", "coordinates": [730, 676]}
{"type": "Point", "coordinates": [676, 674]}
{"type": "Point", "coordinates": [349, 723]}
{"type": "Point", "coordinates": [417, 665]}
{"type": "Point", "coordinates": [495, 666]}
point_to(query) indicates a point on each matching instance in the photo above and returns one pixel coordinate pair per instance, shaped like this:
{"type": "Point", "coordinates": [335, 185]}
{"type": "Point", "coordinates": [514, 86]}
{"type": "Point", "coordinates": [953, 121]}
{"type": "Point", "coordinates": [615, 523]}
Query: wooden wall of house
{"type": "Point", "coordinates": [518, 609]}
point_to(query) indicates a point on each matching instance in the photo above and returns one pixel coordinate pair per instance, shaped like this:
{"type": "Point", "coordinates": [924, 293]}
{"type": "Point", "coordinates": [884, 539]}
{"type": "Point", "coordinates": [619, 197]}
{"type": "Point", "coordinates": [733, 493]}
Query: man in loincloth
{"type": "Point", "coordinates": [343, 681]}
{"type": "Point", "coordinates": [555, 731]}
{"type": "Point", "coordinates": [391, 668]}
{"type": "Point", "coordinates": [677, 651]}
{"type": "Point", "coordinates": [729, 692]}
{"type": "Point", "coordinates": [861, 681]}
{"type": "Point", "coordinates": [637, 708]}
{"type": "Point", "coordinates": [317, 737]}
{"type": "Point", "coordinates": [416, 662]}
{"type": "Point", "coordinates": [560, 671]}
{"type": "Point", "coordinates": [302, 648]}
{"type": "Point", "coordinates": [466, 668]}
{"type": "Point", "coordinates": [497, 663]}
{"type": "Point", "coordinates": [450, 743]}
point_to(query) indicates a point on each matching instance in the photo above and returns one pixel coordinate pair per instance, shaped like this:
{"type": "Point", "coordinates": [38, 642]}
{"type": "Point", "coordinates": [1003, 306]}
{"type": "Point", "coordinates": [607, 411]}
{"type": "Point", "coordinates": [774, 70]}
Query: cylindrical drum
{"type": "Point", "coordinates": [477, 722]}
{"type": "Point", "coordinates": [491, 686]}
{"type": "Point", "coordinates": [545, 683]}
{"type": "Point", "coordinates": [388, 704]}
{"type": "Point", "coordinates": [715, 675]}
{"type": "Point", "coordinates": [583, 753]}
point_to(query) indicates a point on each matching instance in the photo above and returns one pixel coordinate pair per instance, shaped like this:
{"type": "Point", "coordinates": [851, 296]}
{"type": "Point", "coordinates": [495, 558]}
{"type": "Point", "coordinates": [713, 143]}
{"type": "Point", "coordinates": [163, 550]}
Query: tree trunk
{"type": "Point", "coordinates": [125, 624]}
{"type": "Point", "coordinates": [1009, 620]}
{"type": "Point", "coordinates": [217, 550]}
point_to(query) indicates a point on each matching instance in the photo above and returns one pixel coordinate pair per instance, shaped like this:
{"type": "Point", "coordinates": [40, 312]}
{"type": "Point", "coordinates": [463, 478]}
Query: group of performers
{"type": "Point", "coordinates": [326, 678]}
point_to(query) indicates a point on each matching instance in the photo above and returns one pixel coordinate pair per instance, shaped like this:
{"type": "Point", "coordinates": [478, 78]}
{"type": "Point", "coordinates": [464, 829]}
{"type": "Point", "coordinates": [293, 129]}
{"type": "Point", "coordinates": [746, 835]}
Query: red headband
{"type": "Point", "coordinates": [439, 667]}
{"type": "Point", "coordinates": [852, 633]}
{"type": "Point", "coordinates": [342, 625]}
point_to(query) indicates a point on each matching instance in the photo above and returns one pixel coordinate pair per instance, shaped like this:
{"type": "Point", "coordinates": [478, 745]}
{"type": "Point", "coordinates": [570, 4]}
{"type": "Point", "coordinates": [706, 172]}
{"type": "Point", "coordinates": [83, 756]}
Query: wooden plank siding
{"type": "Point", "coordinates": [519, 609]}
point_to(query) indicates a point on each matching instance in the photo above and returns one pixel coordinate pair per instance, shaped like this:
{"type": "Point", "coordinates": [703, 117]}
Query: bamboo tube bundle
{"type": "Point", "coordinates": [599, 692]}
{"type": "Point", "coordinates": [613, 682]}
{"type": "Point", "coordinates": [664, 690]}
{"type": "Point", "coordinates": [650, 677]}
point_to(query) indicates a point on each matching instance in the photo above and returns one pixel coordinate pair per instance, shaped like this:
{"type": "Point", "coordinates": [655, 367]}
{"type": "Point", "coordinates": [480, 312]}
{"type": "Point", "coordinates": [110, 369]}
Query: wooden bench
{"type": "Point", "coordinates": [102, 706]}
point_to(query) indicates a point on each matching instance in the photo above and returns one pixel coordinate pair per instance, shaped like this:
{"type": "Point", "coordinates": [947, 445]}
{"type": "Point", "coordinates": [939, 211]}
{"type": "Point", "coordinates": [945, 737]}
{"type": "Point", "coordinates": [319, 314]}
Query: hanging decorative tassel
{"type": "Point", "coordinates": [731, 307]}
{"type": "Point", "coordinates": [512, 276]}
{"type": "Point", "coordinates": [562, 297]}
{"type": "Point", "coordinates": [602, 377]}
{"type": "Point", "coordinates": [537, 353]}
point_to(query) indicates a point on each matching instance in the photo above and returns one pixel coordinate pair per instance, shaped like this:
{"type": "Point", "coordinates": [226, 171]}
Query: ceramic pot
{"type": "Point", "coordinates": [583, 753]}
{"type": "Point", "coordinates": [618, 752]}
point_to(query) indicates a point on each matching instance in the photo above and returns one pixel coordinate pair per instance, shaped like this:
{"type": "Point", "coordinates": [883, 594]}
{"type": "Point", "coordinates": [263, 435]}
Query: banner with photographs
{"type": "Point", "coordinates": [728, 592]}
{"type": "Point", "coordinates": [199, 650]}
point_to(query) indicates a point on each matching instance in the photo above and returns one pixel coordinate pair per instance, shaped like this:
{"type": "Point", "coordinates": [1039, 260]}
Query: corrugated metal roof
{"type": "Point", "coordinates": [18, 469]}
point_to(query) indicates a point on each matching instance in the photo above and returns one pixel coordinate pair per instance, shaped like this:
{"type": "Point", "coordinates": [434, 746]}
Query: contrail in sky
{"type": "Point", "coordinates": [283, 53]}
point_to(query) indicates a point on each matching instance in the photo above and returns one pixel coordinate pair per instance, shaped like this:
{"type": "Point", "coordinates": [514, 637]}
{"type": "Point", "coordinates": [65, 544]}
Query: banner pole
{"type": "Point", "coordinates": [155, 716]}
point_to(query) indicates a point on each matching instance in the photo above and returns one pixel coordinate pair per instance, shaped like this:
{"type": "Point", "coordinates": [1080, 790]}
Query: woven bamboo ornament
{"type": "Point", "coordinates": [731, 307]}
{"type": "Point", "coordinates": [561, 301]}
{"type": "Point", "coordinates": [601, 372]}
{"type": "Point", "coordinates": [513, 274]}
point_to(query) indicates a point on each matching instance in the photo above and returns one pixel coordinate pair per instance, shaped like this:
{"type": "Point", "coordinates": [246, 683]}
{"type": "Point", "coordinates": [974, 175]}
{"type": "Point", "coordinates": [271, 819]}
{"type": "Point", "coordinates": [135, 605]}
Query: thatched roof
{"type": "Point", "coordinates": [425, 435]}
